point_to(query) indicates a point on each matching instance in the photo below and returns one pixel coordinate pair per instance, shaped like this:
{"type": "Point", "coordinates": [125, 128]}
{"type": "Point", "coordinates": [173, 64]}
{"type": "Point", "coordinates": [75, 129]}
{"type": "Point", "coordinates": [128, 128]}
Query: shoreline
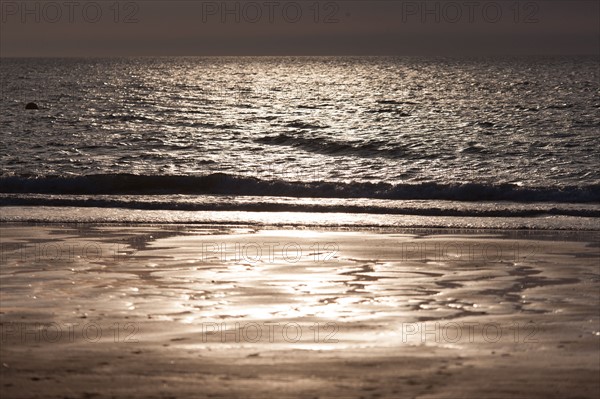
{"type": "Point", "coordinates": [55, 214]}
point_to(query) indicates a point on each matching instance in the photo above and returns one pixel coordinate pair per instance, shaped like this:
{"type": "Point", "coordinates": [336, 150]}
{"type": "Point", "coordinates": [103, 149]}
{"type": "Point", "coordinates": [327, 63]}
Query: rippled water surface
{"type": "Point", "coordinates": [394, 119]}
{"type": "Point", "coordinates": [519, 129]}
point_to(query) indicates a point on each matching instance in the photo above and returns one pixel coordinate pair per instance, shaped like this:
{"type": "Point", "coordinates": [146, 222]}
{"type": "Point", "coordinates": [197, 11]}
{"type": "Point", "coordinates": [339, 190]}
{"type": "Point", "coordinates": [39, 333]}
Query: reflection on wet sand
{"type": "Point", "coordinates": [229, 292]}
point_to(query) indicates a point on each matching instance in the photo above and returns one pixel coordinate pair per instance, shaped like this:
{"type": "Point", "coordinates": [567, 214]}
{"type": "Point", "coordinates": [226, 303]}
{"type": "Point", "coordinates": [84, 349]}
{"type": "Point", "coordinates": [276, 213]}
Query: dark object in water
{"type": "Point", "coordinates": [32, 106]}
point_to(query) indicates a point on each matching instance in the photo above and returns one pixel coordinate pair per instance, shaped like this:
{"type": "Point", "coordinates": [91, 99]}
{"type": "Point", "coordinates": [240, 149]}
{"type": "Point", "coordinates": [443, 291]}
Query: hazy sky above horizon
{"type": "Point", "coordinates": [309, 27]}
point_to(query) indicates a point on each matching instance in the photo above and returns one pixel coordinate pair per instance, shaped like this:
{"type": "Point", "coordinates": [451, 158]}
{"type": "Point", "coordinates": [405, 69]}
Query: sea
{"type": "Point", "coordinates": [500, 142]}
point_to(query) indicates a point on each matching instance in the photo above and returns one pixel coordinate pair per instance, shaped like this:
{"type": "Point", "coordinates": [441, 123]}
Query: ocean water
{"type": "Point", "coordinates": [477, 137]}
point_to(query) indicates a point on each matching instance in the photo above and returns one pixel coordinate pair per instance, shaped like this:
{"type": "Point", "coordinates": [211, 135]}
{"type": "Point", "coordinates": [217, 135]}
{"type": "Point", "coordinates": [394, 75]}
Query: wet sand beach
{"type": "Point", "coordinates": [180, 311]}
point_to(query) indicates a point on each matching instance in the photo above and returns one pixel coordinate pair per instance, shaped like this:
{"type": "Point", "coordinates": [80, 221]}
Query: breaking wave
{"type": "Point", "coordinates": [226, 184]}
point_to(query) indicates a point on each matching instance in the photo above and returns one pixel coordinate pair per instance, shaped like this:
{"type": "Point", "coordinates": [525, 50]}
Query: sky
{"type": "Point", "coordinates": [302, 27]}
